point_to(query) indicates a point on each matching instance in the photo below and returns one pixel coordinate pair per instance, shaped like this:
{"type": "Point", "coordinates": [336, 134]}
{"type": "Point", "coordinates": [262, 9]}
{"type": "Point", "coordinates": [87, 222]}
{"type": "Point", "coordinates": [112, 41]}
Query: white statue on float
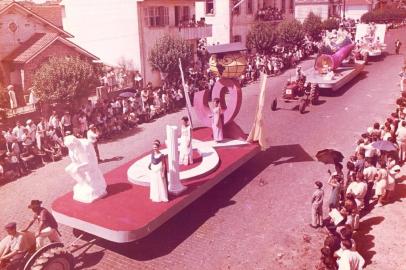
{"type": "Point", "coordinates": [85, 170]}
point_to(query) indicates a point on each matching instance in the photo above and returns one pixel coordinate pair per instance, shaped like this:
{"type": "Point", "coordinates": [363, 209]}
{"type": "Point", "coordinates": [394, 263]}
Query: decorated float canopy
{"type": "Point", "coordinates": [370, 32]}
{"type": "Point", "coordinates": [327, 62]}
{"type": "Point", "coordinates": [227, 60]}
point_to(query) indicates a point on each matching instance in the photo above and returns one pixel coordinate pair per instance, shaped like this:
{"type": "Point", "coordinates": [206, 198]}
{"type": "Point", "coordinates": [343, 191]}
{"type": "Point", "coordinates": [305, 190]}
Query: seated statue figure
{"type": "Point", "coordinates": [84, 168]}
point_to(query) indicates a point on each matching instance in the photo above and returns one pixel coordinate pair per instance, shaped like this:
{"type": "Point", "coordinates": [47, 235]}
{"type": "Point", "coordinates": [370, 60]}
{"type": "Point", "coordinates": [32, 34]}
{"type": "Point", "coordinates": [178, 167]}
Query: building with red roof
{"type": "Point", "coordinates": [30, 35]}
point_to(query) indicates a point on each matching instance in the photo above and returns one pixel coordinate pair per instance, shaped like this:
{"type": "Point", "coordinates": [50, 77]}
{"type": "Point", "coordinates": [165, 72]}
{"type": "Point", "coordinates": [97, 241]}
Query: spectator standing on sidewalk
{"type": "Point", "coordinates": [93, 136]}
{"type": "Point", "coordinates": [317, 205]}
{"type": "Point", "coordinates": [397, 46]}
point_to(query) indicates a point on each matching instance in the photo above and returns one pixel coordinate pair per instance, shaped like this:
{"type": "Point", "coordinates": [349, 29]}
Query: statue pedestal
{"type": "Point", "coordinates": [86, 194]}
{"type": "Point", "coordinates": [174, 185]}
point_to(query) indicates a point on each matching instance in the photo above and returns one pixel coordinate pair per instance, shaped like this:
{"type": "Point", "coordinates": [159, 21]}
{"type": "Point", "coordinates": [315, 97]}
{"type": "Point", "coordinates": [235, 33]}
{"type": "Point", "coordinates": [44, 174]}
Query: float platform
{"type": "Point", "coordinates": [343, 75]}
{"type": "Point", "coordinates": [126, 214]}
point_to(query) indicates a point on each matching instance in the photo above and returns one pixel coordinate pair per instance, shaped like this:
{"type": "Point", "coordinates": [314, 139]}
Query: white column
{"type": "Point", "coordinates": [174, 184]}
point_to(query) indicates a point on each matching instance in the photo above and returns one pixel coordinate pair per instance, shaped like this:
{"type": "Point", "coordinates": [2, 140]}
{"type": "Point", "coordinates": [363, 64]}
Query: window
{"type": "Point", "coordinates": [156, 16]}
{"type": "Point", "coordinates": [182, 15]}
{"type": "Point", "coordinates": [210, 7]}
{"type": "Point", "coordinates": [237, 38]}
{"type": "Point", "coordinates": [249, 6]}
{"type": "Point", "coordinates": [283, 8]}
{"type": "Point", "coordinates": [237, 10]}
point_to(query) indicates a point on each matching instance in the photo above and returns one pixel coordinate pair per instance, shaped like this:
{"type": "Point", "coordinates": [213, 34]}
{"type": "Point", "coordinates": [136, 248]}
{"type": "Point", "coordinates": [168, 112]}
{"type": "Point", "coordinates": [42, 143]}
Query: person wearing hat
{"type": "Point", "coordinates": [47, 228]}
{"type": "Point", "coordinates": [93, 137]}
{"type": "Point", "coordinates": [14, 246]}
{"type": "Point", "coordinates": [317, 205]}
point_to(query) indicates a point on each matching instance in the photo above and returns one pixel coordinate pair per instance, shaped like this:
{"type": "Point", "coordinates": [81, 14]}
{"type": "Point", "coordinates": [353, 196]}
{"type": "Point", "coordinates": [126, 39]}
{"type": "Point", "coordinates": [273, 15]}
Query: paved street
{"type": "Point", "coordinates": [242, 224]}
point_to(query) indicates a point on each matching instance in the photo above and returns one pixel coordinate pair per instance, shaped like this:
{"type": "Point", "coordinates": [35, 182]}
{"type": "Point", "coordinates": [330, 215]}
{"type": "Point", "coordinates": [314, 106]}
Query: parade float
{"type": "Point", "coordinates": [337, 64]}
{"type": "Point", "coordinates": [370, 38]}
{"type": "Point", "coordinates": [126, 213]}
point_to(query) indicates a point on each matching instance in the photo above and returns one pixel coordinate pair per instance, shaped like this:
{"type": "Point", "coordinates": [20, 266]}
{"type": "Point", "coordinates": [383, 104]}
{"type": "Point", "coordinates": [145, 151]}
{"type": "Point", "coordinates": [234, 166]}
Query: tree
{"type": "Point", "coordinates": [64, 79]}
{"type": "Point", "coordinates": [164, 55]}
{"type": "Point", "coordinates": [384, 15]}
{"type": "Point", "coordinates": [313, 26]}
{"type": "Point", "coordinates": [262, 37]}
{"type": "Point", "coordinates": [330, 24]}
{"type": "Point", "coordinates": [290, 33]}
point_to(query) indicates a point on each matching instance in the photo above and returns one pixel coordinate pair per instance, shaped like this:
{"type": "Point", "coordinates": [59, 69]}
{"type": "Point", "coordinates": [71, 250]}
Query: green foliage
{"type": "Point", "coordinates": [313, 26]}
{"type": "Point", "coordinates": [64, 79]}
{"type": "Point", "coordinates": [330, 24]}
{"type": "Point", "coordinates": [290, 33]}
{"type": "Point", "coordinates": [164, 55]}
{"type": "Point", "coordinates": [4, 98]}
{"type": "Point", "coordinates": [262, 37]}
{"type": "Point", "coordinates": [384, 15]}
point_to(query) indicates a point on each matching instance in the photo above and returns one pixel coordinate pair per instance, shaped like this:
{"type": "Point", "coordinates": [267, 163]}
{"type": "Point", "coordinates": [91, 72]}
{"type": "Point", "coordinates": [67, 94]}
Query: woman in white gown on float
{"type": "Point", "coordinates": [158, 191]}
{"type": "Point", "coordinates": [185, 148]}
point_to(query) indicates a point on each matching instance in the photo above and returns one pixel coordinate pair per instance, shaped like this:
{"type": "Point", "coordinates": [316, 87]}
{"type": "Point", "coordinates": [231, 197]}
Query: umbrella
{"type": "Point", "coordinates": [126, 94]}
{"type": "Point", "coordinates": [384, 146]}
{"type": "Point", "coordinates": [329, 156]}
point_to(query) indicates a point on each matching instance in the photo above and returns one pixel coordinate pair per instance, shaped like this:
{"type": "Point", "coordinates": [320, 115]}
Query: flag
{"type": "Point", "coordinates": [259, 132]}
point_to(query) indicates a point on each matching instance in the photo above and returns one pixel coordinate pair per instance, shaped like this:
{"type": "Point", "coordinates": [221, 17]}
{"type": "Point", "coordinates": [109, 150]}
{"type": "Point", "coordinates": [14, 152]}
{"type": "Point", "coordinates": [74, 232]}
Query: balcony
{"type": "Point", "coordinates": [197, 32]}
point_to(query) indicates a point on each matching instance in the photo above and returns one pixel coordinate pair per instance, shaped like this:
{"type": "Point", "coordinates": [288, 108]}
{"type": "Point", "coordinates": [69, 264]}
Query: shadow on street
{"type": "Point", "coordinates": [176, 230]}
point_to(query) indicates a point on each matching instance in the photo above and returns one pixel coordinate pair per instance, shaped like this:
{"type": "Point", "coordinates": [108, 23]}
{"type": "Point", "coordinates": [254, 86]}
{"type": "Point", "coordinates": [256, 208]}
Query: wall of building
{"type": "Point", "coordinates": [303, 8]}
{"type": "Point", "coordinates": [106, 28]}
{"type": "Point", "coordinates": [220, 20]}
{"type": "Point", "coordinates": [26, 27]}
{"type": "Point", "coordinates": [149, 35]}
{"type": "Point", "coordinates": [355, 11]}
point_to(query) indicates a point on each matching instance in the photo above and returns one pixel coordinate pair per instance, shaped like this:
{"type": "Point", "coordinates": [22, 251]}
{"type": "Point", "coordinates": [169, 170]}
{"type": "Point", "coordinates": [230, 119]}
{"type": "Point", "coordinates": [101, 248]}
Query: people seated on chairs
{"type": "Point", "coordinates": [15, 246]}
{"type": "Point", "coordinates": [52, 149]}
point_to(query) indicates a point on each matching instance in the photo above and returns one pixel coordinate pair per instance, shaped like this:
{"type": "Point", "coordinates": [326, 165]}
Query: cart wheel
{"type": "Point", "coordinates": [314, 95]}
{"type": "Point", "coordinates": [302, 106]}
{"type": "Point", "coordinates": [274, 104]}
{"type": "Point", "coordinates": [51, 258]}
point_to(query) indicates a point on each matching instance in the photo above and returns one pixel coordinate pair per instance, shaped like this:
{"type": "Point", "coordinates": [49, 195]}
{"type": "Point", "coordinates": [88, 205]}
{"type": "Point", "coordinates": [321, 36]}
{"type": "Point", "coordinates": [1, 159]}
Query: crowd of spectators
{"type": "Point", "coordinates": [29, 144]}
{"type": "Point", "coordinates": [269, 14]}
{"type": "Point", "coordinates": [370, 181]}
{"type": "Point", "coordinates": [274, 62]}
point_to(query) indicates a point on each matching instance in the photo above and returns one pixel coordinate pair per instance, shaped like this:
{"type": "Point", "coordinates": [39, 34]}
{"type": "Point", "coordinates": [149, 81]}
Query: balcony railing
{"type": "Point", "coordinates": [196, 32]}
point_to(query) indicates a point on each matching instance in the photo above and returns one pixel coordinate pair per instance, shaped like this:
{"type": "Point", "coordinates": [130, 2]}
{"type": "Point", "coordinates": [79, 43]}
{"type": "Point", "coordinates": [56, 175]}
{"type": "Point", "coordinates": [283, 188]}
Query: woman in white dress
{"type": "Point", "coordinates": [158, 191]}
{"type": "Point", "coordinates": [217, 121]}
{"type": "Point", "coordinates": [381, 181]}
{"type": "Point", "coordinates": [185, 149]}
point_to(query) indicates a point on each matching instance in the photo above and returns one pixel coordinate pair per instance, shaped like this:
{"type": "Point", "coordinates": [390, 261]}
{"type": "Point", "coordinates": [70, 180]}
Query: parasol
{"type": "Point", "coordinates": [384, 146]}
{"type": "Point", "coordinates": [329, 156]}
{"type": "Point", "coordinates": [126, 94]}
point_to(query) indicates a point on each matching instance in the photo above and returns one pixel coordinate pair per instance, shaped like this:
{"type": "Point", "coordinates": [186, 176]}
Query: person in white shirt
{"type": "Point", "coordinates": [401, 140]}
{"type": "Point", "coordinates": [359, 189]}
{"type": "Point", "coordinates": [369, 173]}
{"type": "Point", "coordinates": [93, 136]}
{"type": "Point", "coordinates": [32, 128]}
{"type": "Point", "coordinates": [18, 132]}
{"type": "Point", "coordinates": [347, 258]}
{"type": "Point", "coordinates": [40, 132]}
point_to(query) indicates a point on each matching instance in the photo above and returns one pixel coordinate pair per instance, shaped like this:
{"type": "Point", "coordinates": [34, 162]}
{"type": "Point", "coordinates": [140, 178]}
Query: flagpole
{"type": "Point", "coordinates": [186, 94]}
